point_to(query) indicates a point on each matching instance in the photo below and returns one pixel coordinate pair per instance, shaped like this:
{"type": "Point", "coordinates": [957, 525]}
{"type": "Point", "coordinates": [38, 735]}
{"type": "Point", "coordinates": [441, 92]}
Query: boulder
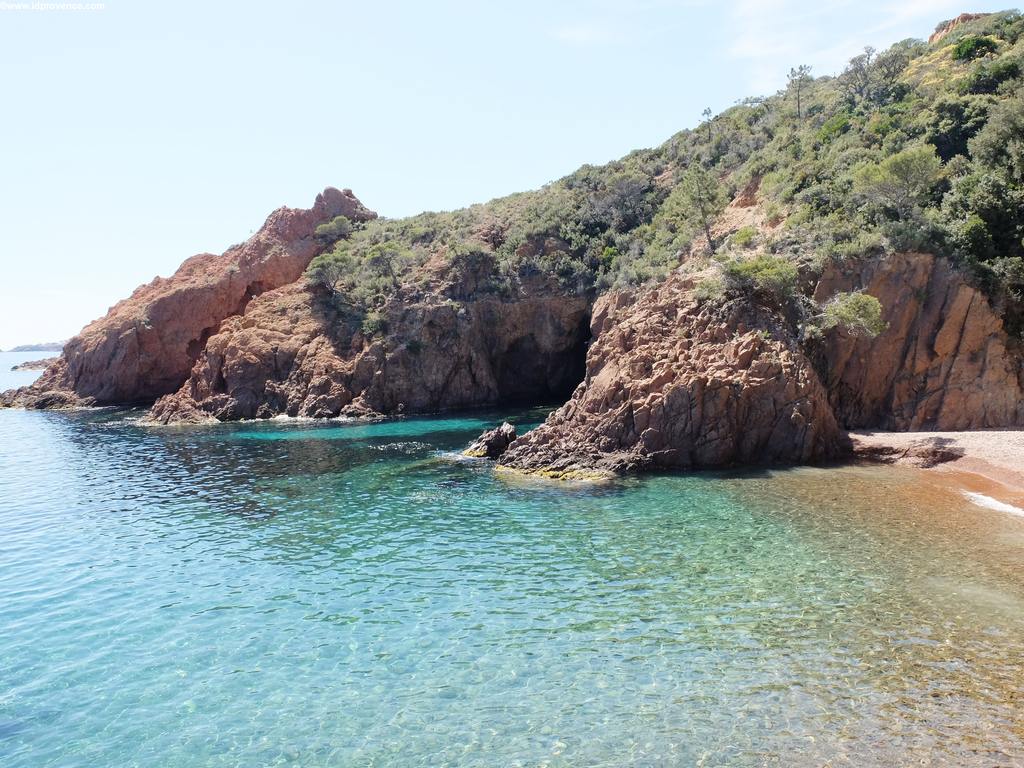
{"type": "Point", "coordinates": [493, 442]}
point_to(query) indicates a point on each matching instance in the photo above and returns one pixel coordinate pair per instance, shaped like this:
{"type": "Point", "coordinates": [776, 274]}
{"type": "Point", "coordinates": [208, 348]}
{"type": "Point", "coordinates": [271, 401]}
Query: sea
{"type": "Point", "coordinates": [332, 593]}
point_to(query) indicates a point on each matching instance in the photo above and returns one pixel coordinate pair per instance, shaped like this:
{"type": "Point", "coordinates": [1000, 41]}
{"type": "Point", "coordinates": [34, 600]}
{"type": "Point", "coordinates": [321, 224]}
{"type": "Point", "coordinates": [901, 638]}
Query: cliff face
{"type": "Point", "coordinates": [491, 303]}
{"type": "Point", "coordinates": [146, 345]}
{"type": "Point", "coordinates": [294, 352]}
{"type": "Point", "coordinates": [672, 384]}
{"type": "Point", "coordinates": [668, 381]}
{"type": "Point", "coordinates": [944, 362]}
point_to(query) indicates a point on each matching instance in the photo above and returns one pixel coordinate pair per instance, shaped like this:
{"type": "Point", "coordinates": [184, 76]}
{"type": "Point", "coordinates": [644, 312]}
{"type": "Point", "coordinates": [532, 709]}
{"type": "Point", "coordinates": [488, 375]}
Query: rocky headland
{"type": "Point", "coordinates": [145, 346]}
{"type": "Point", "coordinates": [49, 346]}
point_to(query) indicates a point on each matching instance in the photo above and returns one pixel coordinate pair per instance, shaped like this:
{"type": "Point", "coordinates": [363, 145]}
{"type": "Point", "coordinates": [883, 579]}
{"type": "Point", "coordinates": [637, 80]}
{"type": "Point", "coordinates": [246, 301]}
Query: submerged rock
{"type": "Point", "coordinates": [492, 443]}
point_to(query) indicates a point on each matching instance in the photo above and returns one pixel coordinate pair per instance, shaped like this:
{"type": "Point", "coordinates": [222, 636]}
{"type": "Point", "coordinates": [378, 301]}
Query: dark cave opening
{"type": "Point", "coordinates": [528, 374]}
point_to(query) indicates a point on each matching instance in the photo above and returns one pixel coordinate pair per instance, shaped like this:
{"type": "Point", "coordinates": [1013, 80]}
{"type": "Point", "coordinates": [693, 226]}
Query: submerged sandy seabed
{"type": "Point", "coordinates": [987, 463]}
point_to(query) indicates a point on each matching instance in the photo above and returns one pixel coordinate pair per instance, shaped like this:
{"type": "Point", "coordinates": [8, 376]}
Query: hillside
{"type": "Point", "coordinates": [846, 253]}
{"type": "Point", "coordinates": [917, 148]}
{"type": "Point", "coordinates": [50, 346]}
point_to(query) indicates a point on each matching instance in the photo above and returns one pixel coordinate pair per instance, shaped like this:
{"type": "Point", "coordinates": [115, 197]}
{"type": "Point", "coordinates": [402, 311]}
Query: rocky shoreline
{"type": "Point", "coordinates": [653, 378]}
{"type": "Point", "coordinates": [35, 365]}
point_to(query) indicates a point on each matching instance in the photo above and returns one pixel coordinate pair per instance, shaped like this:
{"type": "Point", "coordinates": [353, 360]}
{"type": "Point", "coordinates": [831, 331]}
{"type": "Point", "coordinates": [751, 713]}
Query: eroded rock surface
{"type": "Point", "coordinates": [944, 362]}
{"type": "Point", "coordinates": [146, 345]}
{"type": "Point", "coordinates": [672, 384]}
{"type": "Point", "coordinates": [668, 381]}
{"type": "Point", "coordinates": [948, 26]}
{"type": "Point", "coordinates": [294, 352]}
{"type": "Point", "coordinates": [34, 365]}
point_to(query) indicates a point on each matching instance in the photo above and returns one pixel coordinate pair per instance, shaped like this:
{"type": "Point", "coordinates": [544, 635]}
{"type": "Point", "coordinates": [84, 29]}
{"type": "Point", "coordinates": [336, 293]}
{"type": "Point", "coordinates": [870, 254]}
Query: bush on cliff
{"type": "Point", "coordinates": [901, 183]}
{"type": "Point", "coordinates": [857, 313]}
{"type": "Point", "coordinates": [330, 232]}
{"type": "Point", "coordinates": [972, 47]}
{"type": "Point", "coordinates": [770, 278]}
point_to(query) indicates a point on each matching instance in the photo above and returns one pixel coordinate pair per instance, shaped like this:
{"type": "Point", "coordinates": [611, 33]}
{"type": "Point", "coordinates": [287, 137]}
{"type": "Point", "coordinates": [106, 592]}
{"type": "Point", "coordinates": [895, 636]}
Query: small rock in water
{"type": "Point", "coordinates": [34, 365]}
{"type": "Point", "coordinates": [492, 443]}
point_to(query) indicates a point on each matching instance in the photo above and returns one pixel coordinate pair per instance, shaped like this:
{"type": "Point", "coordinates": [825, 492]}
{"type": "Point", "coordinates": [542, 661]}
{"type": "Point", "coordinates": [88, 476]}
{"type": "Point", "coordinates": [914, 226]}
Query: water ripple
{"type": "Point", "coordinates": [347, 594]}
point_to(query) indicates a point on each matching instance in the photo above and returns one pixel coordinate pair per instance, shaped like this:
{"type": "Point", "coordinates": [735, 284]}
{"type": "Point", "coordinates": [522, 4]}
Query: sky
{"type": "Point", "coordinates": [137, 134]}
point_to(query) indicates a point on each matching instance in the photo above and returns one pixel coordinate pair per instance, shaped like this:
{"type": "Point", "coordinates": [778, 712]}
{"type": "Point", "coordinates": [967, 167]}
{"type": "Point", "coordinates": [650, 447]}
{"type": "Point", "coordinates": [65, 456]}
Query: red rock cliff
{"type": "Point", "coordinates": [146, 345]}
{"type": "Point", "coordinates": [292, 352]}
{"type": "Point", "coordinates": [948, 26]}
{"type": "Point", "coordinates": [944, 362]}
{"type": "Point", "coordinates": [670, 383]}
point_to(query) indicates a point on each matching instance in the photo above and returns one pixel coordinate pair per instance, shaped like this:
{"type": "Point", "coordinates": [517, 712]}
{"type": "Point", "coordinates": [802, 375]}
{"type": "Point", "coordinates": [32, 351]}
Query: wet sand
{"type": "Point", "coordinates": [989, 463]}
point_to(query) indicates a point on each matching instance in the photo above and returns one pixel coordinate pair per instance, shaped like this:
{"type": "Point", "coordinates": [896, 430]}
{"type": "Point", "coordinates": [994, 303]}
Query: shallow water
{"type": "Point", "coordinates": [354, 595]}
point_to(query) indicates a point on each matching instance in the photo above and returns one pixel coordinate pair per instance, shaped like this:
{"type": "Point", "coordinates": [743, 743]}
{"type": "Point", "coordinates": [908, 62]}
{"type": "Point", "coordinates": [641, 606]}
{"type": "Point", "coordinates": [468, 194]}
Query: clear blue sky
{"type": "Point", "coordinates": [134, 136]}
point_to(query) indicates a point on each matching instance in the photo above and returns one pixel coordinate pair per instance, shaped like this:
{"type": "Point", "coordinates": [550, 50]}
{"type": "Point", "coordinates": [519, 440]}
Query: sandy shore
{"type": "Point", "coordinates": [994, 456]}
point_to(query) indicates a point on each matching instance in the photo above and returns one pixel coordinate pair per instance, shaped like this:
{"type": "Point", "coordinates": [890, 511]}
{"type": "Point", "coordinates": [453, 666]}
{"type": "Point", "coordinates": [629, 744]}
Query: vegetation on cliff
{"type": "Point", "coordinates": [917, 148]}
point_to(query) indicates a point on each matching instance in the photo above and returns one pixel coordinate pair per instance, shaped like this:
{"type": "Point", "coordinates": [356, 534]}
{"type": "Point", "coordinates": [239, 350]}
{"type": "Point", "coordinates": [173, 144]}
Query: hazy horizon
{"type": "Point", "coordinates": [149, 133]}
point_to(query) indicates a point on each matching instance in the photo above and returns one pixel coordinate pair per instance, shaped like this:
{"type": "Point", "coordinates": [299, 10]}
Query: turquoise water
{"type": "Point", "coordinates": [354, 595]}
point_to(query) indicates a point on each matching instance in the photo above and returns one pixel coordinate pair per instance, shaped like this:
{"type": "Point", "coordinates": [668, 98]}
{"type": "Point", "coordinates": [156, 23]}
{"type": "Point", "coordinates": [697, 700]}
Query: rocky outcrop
{"type": "Point", "coordinates": [925, 452]}
{"type": "Point", "coordinates": [674, 384]}
{"type": "Point", "coordinates": [948, 26]}
{"type": "Point", "coordinates": [492, 443]}
{"type": "Point", "coordinates": [34, 365]}
{"type": "Point", "coordinates": [944, 362]}
{"type": "Point", "coordinates": [295, 352]}
{"type": "Point", "coordinates": [668, 382]}
{"type": "Point", "coordinates": [146, 345]}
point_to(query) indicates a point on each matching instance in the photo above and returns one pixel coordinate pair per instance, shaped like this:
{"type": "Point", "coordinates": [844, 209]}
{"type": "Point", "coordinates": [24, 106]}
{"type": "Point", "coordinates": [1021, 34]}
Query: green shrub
{"type": "Point", "coordinates": [710, 290]}
{"type": "Point", "coordinates": [333, 270]}
{"type": "Point", "coordinates": [902, 181]}
{"type": "Point", "coordinates": [973, 46]}
{"type": "Point", "coordinates": [857, 313]}
{"type": "Point", "coordinates": [743, 237]}
{"type": "Point", "coordinates": [330, 232]}
{"type": "Point", "coordinates": [1000, 144]}
{"type": "Point", "coordinates": [864, 243]}
{"type": "Point", "coordinates": [375, 323]}
{"type": "Point", "coordinates": [989, 75]}
{"type": "Point", "coordinates": [772, 277]}
{"type": "Point", "coordinates": [834, 127]}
